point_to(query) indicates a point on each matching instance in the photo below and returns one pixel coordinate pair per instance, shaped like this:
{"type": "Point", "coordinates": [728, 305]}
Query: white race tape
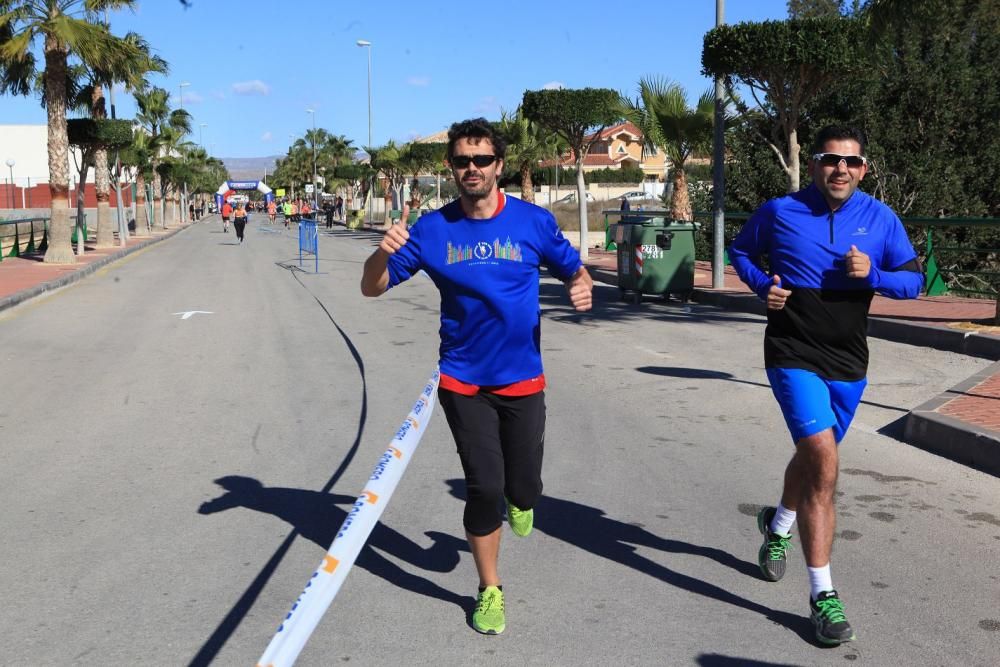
{"type": "Point", "coordinates": [307, 611]}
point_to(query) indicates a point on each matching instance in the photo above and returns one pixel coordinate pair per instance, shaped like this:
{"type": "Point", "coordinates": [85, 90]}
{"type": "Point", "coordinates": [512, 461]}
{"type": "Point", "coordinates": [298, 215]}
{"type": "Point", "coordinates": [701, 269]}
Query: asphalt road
{"type": "Point", "coordinates": [168, 485]}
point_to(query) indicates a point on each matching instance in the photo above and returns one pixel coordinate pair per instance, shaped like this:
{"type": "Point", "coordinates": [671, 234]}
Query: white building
{"type": "Point", "coordinates": [27, 147]}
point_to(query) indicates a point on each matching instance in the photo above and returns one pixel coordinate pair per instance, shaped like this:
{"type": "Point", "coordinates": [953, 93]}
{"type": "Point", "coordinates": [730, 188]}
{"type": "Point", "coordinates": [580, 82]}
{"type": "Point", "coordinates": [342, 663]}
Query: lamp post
{"type": "Point", "coordinates": [364, 43]}
{"type": "Point", "coordinates": [10, 163]}
{"type": "Point", "coordinates": [313, 114]}
{"type": "Point", "coordinates": [180, 88]}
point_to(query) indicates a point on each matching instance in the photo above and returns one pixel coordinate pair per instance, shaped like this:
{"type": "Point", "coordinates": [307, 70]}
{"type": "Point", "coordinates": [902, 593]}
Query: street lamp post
{"type": "Point", "coordinates": [180, 88]}
{"type": "Point", "coordinates": [364, 43]}
{"type": "Point", "coordinates": [11, 163]}
{"type": "Point", "coordinates": [313, 114]}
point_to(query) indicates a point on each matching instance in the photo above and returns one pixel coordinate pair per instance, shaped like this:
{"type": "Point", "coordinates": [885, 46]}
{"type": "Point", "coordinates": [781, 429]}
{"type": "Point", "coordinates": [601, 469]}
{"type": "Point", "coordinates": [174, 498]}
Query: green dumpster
{"type": "Point", "coordinates": [655, 257]}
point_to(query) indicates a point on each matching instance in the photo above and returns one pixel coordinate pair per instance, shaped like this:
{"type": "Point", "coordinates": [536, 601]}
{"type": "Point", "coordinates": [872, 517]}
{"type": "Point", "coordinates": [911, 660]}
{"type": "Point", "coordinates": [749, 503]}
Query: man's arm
{"type": "Point", "coordinates": [900, 282]}
{"type": "Point", "coordinates": [375, 279]}
{"type": "Point", "coordinates": [581, 288]}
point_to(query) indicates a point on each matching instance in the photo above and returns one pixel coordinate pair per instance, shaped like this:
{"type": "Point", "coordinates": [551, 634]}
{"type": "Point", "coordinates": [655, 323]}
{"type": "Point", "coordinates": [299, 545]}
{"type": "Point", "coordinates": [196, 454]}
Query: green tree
{"type": "Point", "coordinates": [661, 112]}
{"type": "Point", "coordinates": [527, 145]}
{"type": "Point", "coordinates": [785, 64]}
{"type": "Point", "coordinates": [814, 9]}
{"type": "Point", "coordinates": [579, 117]}
{"type": "Point", "coordinates": [64, 27]}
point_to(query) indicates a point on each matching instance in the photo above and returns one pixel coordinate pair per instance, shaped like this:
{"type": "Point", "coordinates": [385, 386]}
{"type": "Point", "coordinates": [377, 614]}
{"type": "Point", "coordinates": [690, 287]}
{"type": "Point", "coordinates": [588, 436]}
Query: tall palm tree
{"type": "Point", "coordinates": [131, 73]}
{"type": "Point", "coordinates": [667, 123]}
{"type": "Point", "coordinates": [155, 117]}
{"type": "Point", "coordinates": [527, 145]}
{"type": "Point", "coordinates": [138, 156]}
{"type": "Point", "coordinates": [64, 27]}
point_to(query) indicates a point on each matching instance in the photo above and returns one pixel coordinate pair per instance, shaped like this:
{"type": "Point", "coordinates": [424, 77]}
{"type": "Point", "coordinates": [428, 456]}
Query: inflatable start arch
{"type": "Point", "coordinates": [242, 185]}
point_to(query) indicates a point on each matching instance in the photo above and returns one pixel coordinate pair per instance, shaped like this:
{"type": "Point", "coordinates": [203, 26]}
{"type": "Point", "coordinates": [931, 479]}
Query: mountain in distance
{"type": "Point", "coordinates": [249, 168]}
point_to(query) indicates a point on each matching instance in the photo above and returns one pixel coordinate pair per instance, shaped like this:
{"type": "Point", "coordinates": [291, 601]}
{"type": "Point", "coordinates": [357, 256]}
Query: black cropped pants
{"type": "Point", "coordinates": [500, 440]}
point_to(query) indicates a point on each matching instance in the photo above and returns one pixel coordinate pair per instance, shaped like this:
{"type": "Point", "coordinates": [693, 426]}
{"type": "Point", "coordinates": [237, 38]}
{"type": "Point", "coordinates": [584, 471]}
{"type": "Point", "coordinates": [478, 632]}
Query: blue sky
{"type": "Point", "coordinates": [255, 66]}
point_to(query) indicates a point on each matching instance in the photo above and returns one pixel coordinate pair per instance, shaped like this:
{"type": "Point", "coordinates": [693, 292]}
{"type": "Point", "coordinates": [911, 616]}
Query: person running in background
{"type": "Point", "coordinates": [328, 212]}
{"type": "Point", "coordinates": [286, 211]}
{"type": "Point", "coordinates": [240, 220]}
{"type": "Point", "coordinates": [272, 212]}
{"type": "Point", "coordinates": [483, 252]}
{"type": "Point", "coordinates": [339, 207]}
{"type": "Point", "coordinates": [227, 212]}
{"type": "Point", "coordinates": [830, 248]}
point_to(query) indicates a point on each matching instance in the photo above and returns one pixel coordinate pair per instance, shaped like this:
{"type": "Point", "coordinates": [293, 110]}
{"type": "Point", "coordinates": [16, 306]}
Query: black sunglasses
{"type": "Point", "coordinates": [463, 161]}
{"type": "Point", "coordinates": [834, 159]}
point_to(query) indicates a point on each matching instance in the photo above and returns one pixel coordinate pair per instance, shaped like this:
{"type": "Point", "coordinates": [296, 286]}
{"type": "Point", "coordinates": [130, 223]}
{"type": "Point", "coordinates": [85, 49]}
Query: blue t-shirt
{"type": "Point", "coordinates": [487, 274]}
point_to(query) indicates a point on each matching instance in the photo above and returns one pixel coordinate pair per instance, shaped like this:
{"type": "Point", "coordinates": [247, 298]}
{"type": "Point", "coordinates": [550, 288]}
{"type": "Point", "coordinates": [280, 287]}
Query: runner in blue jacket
{"type": "Point", "coordinates": [829, 248]}
{"type": "Point", "coordinates": [483, 252]}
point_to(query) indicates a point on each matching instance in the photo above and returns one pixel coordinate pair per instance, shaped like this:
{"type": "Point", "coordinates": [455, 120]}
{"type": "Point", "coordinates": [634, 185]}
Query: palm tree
{"type": "Point", "coordinates": [668, 124]}
{"type": "Point", "coordinates": [139, 158]}
{"type": "Point", "coordinates": [156, 119]}
{"type": "Point", "coordinates": [131, 73]}
{"type": "Point", "coordinates": [64, 27]}
{"type": "Point", "coordinates": [527, 145]}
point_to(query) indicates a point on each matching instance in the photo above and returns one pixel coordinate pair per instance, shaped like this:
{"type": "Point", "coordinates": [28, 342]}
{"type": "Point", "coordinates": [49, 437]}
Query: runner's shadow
{"type": "Point", "coordinates": [317, 516]}
{"type": "Point", "coordinates": [588, 528]}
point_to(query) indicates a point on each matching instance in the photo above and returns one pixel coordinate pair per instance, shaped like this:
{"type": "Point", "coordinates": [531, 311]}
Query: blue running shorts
{"type": "Point", "coordinates": [812, 404]}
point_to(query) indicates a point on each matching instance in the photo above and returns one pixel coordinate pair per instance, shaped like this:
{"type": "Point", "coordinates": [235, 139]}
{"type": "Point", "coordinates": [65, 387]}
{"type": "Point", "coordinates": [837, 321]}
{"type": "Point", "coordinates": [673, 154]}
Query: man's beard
{"type": "Point", "coordinates": [480, 191]}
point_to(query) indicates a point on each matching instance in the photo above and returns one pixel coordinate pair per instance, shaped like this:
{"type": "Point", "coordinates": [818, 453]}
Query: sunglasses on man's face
{"type": "Point", "coordinates": [834, 159]}
{"type": "Point", "coordinates": [463, 161]}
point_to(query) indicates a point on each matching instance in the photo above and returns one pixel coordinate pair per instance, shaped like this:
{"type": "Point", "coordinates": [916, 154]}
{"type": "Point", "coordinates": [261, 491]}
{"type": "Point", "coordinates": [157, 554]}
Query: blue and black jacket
{"type": "Point", "coordinates": [824, 323]}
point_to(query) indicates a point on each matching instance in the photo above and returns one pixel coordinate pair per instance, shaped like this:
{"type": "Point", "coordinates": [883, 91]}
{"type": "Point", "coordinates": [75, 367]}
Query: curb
{"type": "Point", "coordinates": [976, 446]}
{"type": "Point", "coordinates": [62, 281]}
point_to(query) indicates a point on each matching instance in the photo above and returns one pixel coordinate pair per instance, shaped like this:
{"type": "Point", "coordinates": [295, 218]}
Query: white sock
{"type": "Point", "coordinates": [819, 580]}
{"type": "Point", "coordinates": [783, 520]}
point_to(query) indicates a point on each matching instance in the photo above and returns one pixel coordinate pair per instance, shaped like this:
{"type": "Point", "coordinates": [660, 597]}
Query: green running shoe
{"type": "Point", "coordinates": [520, 520]}
{"type": "Point", "coordinates": [488, 618]}
{"type": "Point", "coordinates": [828, 618]}
{"type": "Point", "coordinates": [773, 551]}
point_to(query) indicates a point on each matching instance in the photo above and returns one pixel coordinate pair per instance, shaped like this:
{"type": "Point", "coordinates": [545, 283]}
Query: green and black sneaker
{"type": "Point", "coordinates": [488, 617]}
{"type": "Point", "coordinates": [772, 554]}
{"type": "Point", "coordinates": [520, 520]}
{"type": "Point", "coordinates": [829, 620]}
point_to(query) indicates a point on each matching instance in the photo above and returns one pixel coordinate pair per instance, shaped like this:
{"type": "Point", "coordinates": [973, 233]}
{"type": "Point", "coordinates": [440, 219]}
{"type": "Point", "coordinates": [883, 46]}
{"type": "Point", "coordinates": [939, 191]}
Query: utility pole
{"type": "Point", "coordinates": [718, 173]}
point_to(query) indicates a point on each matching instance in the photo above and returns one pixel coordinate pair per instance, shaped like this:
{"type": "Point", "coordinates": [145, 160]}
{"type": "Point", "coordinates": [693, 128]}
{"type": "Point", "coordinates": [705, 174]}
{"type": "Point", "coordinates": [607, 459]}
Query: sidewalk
{"type": "Point", "coordinates": [962, 424]}
{"type": "Point", "coordinates": [22, 278]}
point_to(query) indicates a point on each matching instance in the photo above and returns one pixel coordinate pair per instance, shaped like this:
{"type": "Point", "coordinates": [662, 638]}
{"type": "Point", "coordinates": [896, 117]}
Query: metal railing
{"type": "Point", "coordinates": [937, 282]}
{"type": "Point", "coordinates": [26, 239]}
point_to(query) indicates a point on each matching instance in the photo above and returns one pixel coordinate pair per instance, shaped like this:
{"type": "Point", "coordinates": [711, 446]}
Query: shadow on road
{"type": "Point", "coordinates": [588, 528]}
{"type": "Point", "coordinates": [317, 516]}
{"type": "Point", "coordinates": [717, 660]}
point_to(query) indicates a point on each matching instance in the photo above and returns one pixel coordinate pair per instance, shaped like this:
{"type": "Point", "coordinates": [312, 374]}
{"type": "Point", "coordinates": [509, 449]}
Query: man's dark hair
{"type": "Point", "coordinates": [476, 128]}
{"type": "Point", "coordinates": [835, 132]}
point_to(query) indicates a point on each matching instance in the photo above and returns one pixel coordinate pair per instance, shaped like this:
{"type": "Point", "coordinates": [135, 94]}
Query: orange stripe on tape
{"type": "Point", "coordinates": [330, 563]}
{"type": "Point", "coordinates": [371, 497]}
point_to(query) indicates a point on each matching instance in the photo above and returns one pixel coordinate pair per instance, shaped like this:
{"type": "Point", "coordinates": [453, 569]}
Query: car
{"type": "Point", "coordinates": [571, 198]}
{"type": "Point", "coordinates": [637, 195]}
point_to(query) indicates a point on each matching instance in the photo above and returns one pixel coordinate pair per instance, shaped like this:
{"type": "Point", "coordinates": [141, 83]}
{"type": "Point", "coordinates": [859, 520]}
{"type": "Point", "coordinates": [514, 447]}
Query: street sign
{"type": "Point", "coordinates": [309, 188]}
{"type": "Point", "coordinates": [280, 192]}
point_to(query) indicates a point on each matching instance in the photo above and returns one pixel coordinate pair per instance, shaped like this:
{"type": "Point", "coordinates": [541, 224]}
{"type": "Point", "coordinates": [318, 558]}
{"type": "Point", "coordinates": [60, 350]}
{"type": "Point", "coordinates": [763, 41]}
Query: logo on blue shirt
{"type": "Point", "coordinates": [483, 250]}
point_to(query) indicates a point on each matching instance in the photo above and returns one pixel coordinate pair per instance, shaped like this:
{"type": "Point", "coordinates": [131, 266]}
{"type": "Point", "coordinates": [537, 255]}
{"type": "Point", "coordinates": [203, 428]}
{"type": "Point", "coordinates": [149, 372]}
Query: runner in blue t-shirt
{"type": "Point", "coordinates": [483, 252]}
{"type": "Point", "coordinates": [829, 248]}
